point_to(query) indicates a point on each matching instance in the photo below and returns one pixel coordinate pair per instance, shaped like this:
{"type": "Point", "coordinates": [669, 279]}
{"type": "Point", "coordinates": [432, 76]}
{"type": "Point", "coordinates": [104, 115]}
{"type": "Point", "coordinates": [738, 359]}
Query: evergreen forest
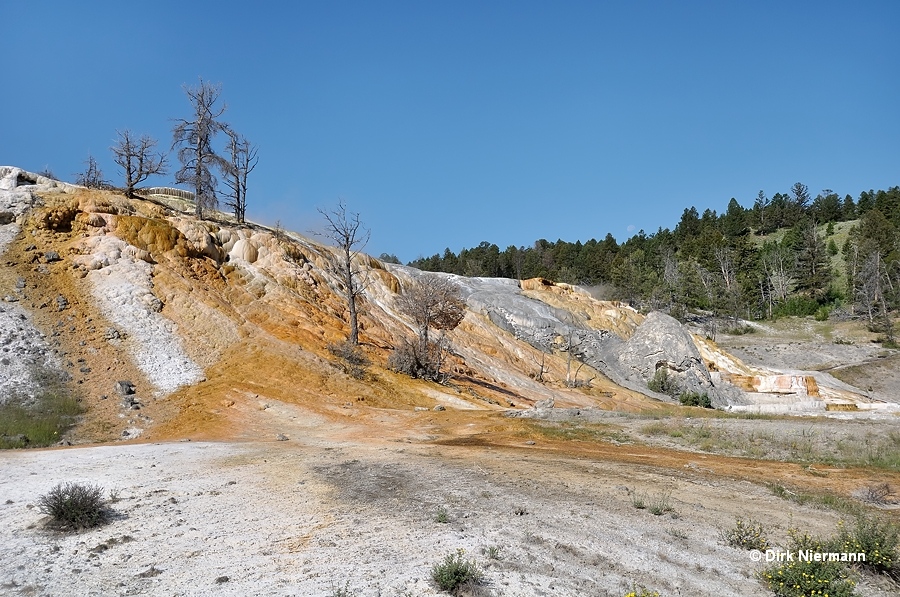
{"type": "Point", "coordinates": [791, 254]}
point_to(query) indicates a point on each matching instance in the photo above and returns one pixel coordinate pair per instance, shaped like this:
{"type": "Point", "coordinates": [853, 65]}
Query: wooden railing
{"type": "Point", "coordinates": [167, 192]}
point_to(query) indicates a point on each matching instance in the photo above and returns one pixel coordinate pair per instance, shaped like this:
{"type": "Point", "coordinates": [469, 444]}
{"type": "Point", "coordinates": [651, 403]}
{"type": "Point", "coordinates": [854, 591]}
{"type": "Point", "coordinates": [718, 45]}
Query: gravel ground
{"type": "Point", "coordinates": [304, 518]}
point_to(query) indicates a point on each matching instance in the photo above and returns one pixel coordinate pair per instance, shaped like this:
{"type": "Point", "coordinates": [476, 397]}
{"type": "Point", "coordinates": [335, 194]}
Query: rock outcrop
{"type": "Point", "coordinates": [183, 295]}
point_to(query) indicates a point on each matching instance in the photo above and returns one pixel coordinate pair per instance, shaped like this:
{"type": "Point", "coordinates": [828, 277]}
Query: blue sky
{"type": "Point", "coordinates": [448, 123]}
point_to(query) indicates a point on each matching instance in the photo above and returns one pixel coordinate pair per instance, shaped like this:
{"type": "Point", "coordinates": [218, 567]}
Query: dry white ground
{"type": "Point", "coordinates": [312, 514]}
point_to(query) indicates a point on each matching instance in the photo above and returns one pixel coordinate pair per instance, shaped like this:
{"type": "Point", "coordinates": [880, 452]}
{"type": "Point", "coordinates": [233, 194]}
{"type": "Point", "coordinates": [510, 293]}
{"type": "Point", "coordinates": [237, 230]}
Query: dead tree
{"type": "Point", "coordinates": [137, 159]}
{"type": "Point", "coordinates": [433, 302]}
{"type": "Point", "coordinates": [243, 161]}
{"type": "Point", "coordinates": [571, 348]}
{"type": "Point", "coordinates": [348, 233]}
{"type": "Point", "coordinates": [193, 137]}
{"type": "Point", "coordinates": [92, 177]}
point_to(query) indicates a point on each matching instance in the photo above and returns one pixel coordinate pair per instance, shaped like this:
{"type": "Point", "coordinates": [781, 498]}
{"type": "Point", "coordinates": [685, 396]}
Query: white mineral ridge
{"type": "Point", "coordinates": [123, 291]}
{"type": "Point", "coordinates": [22, 344]}
{"type": "Point", "coordinates": [22, 347]}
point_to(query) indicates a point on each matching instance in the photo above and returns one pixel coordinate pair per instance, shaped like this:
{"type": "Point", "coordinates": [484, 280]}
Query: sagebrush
{"type": "Point", "coordinates": [455, 572]}
{"type": "Point", "coordinates": [75, 506]}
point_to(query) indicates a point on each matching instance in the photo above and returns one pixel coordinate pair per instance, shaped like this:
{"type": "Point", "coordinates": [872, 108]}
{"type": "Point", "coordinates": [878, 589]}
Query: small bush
{"type": "Point", "coordinates": [695, 399]}
{"type": "Point", "coordinates": [353, 360]}
{"type": "Point", "coordinates": [442, 516]}
{"type": "Point", "coordinates": [418, 362]}
{"type": "Point", "coordinates": [741, 330]}
{"type": "Point", "coordinates": [456, 573]}
{"type": "Point", "coordinates": [492, 552]}
{"type": "Point", "coordinates": [663, 383]}
{"type": "Point", "coordinates": [73, 506]}
{"type": "Point", "coordinates": [661, 504]}
{"type": "Point", "coordinates": [641, 591]}
{"type": "Point", "coordinates": [638, 501]}
{"type": "Point", "coordinates": [878, 539]}
{"type": "Point", "coordinates": [802, 578]}
{"type": "Point", "coordinates": [878, 494]}
{"type": "Point", "coordinates": [746, 535]}
{"type": "Point", "coordinates": [796, 306]}
{"type": "Point", "coordinates": [822, 314]}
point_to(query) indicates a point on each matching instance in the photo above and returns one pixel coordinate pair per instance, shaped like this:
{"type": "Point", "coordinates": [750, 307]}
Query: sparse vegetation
{"type": "Point", "coordinates": [878, 539]}
{"type": "Point", "coordinates": [638, 501]}
{"type": "Point", "coordinates": [800, 578]}
{"type": "Point", "coordinates": [695, 399]}
{"type": "Point", "coordinates": [42, 422]}
{"type": "Point", "coordinates": [353, 360]}
{"type": "Point", "coordinates": [74, 506]}
{"type": "Point", "coordinates": [824, 500]}
{"type": "Point", "coordinates": [586, 432]}
{"type": "Point", "coordinates": [740, 330]}
{"type": "Point", "coordinates": [640, 591]}
{"type": "Point", "coordinates": [661, 504]}
{"type": "Point", "coordinates": [339, 591]}
{"type": "Point", "coordinates": [442, 516]}
{"type": "Point", "coordinates": [878, 494]}
{"type": "Point", "coordinates": [817, 442]}
{"type": "Point", "coordinates": [493, 552]}
{"type": "Point", "coordinates": [456, 573]}
{"type": "Point", "coordinates": [663, 383]}
{"type": "Point", "coordinates": [749, 534]}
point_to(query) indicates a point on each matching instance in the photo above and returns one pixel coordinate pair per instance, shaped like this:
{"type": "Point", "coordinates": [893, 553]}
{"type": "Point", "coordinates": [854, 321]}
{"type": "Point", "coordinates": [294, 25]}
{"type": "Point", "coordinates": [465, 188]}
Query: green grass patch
{"type": "Point", "coordinates": [54, 411]}
{"type": "Point", "coordinates": [580, 432]}
{"type": "Point", "coordinates": [825, 501]}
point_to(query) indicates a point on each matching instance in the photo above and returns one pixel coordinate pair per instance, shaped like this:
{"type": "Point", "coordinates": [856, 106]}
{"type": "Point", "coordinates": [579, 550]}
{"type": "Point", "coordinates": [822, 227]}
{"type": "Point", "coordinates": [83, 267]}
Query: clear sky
{"type": "Point", "coordinates": [448, 123]}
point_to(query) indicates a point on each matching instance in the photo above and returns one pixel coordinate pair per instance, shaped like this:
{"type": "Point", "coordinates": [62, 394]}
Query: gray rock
{"type": "Point", "coordinates": [281, 437]}
{"type": "Point", "coordinates": [6, 217]}
{"type": "Point", "coordinates": [112, 334]}
{"type": "Point", "coordinates": [440, 407]}
{"type": "Point", "coordinates": [543, 404]}
{"type": "Point", "coordinates": [125, 388]}
{"type": "Point", "coordinates": [20, 282]}
{"type": "Point", "coordinates": [52, 256]}
{"type": "Point", "coordinates": [660, 342]}
{"type": "Point", "coordinates": [61, 303]}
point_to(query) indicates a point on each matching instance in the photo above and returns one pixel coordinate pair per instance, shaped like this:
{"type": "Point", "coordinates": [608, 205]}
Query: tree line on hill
{"type": "Point", "coordinates": [779, 257]}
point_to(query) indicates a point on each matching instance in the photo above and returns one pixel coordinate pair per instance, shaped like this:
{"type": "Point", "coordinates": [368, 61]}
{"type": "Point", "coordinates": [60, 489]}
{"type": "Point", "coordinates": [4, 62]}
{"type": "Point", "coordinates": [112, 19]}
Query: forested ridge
{"type": "Point", "coordinates": [790, 254]}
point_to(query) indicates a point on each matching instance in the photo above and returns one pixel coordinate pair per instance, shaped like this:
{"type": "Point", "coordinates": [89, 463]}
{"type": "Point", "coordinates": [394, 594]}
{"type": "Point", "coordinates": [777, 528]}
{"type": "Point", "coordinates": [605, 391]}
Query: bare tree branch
{"type": "Point", "coordinates": [243, 160]}
{"type": "Point", "coordinates": [348, 233]}
{"type": "Point", "coordinates": [136, 158]}
{"type": "Point", "coordinates": [92, 177]}
{"type": "Point", "coordinates": [193, 137]}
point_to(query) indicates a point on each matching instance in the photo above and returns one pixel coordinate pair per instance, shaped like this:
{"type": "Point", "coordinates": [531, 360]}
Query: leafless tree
{"type": "Point", "coordinates": [348, 233]}
{"type": "Point", "coordinates": [433, 302]}
{"type": "Point", "coordinates": [137, 159]}
{"type": "Point", "coordinates": [572, 348]}
{"type": "Point", "coordinates": [779, 264]}
{"type": "Point", "coordinates": [193, 137]}
{"type": "Point", "coordinates": [243, 160]}
{"type": "Point", "coordinates": [874, 284]}
{"type": "Point", "coordinates": [92, 177]}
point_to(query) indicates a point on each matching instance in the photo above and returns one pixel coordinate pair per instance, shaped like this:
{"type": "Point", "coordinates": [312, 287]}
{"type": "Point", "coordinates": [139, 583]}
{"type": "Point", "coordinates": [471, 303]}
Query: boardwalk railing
{"type": "Point", "coordinates": [166, 192]}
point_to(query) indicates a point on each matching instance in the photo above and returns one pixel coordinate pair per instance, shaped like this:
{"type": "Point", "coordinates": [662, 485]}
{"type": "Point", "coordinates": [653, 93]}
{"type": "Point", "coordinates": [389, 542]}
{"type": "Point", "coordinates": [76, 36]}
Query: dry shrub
{"type": "Point", "coordinates": [73, 506]}
{"type": "Point", "coordinates": [353, 360]}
